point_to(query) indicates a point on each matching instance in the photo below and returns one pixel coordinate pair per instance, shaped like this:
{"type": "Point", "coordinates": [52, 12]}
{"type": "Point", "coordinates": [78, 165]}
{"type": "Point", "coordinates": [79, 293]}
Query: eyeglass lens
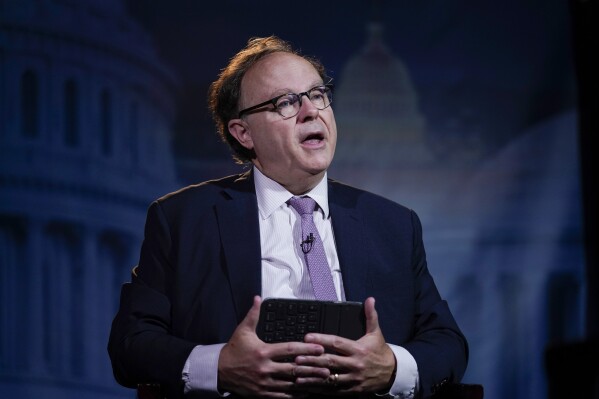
{"type": "Point", "coordinates": [289, 104]}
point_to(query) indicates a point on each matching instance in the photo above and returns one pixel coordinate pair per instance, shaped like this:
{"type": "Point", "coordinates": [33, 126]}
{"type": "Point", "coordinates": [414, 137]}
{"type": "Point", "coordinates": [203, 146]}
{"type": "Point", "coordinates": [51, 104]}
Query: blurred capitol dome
{"type": "Point", "coordinates": [376, 108]}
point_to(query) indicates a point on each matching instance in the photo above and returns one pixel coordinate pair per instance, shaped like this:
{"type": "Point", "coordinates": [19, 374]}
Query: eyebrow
{"type": "Point", "coordinates": [290, 91]}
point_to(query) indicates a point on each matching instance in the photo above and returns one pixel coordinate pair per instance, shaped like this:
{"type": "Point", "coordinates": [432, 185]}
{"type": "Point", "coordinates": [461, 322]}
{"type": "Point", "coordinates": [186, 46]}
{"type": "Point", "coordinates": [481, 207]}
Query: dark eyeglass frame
{"type": "Point", "coordinates": [273, 101]}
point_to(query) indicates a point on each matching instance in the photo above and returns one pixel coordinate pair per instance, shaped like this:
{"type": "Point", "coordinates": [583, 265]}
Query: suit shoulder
{"type": "Point", "coordinates": [208, 191]}
{"type": "Point", "coordinates": [360, 198]}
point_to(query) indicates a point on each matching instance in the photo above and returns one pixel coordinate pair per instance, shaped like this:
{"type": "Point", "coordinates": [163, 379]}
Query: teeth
{"type": "Point", "coordinates": [312, 141]}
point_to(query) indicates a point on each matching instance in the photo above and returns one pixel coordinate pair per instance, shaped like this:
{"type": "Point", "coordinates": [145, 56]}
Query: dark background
{"type": "Point", "coordinates": [511, 233]}
{"type": "Point", "coordinates": [468, 59]}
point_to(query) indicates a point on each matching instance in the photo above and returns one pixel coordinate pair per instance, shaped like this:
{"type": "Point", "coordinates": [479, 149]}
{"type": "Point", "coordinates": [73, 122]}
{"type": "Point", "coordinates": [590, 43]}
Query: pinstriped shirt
{"type": "Point", "coordinates": [284, 270]}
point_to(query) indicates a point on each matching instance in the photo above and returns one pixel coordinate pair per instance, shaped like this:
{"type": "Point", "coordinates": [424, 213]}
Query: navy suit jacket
{"type": "Point", "coordinates": [200, 267]}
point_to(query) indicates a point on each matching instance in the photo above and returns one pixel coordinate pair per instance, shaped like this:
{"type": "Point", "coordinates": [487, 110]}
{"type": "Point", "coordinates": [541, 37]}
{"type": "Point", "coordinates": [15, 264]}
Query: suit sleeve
{"type": "Point", "coordinates": [141, 346]}
{"type": "Point", "coordinates": [438, 346]}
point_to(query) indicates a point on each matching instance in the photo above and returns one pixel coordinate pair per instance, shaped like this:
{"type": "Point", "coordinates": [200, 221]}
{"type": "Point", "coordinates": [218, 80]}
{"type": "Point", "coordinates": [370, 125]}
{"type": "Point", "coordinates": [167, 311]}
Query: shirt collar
{"type": "Point", "coordinates": [271, 195]}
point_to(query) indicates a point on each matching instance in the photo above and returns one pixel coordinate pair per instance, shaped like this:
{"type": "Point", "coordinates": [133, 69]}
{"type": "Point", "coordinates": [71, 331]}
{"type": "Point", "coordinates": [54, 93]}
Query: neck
{"type": "Point", "coordinates": [298, 186]}
{"type": "Point", "coordinates": [303, 186]}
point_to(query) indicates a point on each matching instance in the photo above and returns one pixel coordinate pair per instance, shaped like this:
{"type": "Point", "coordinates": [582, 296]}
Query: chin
{"type": "Point", "coordinates": [322, 162]}
{"type": "Point", "coordinates": [318, 169]}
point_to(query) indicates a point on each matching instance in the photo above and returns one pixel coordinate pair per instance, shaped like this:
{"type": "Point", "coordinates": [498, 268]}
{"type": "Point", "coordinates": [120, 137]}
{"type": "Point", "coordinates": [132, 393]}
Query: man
{"type": "Point", "coordinates": [212, 251]}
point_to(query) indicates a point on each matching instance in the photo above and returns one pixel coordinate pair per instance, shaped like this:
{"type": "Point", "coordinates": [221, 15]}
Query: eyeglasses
{"type": "Point", "coordinates": [288, 105]}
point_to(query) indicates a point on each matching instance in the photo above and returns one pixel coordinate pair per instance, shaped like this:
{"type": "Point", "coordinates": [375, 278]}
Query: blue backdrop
{"type": "Point", "coordinates": [464, 111]}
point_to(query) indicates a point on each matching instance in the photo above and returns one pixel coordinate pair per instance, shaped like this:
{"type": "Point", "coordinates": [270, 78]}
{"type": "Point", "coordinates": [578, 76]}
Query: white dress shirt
{"type": "Point", "coordinates": [284, 270]}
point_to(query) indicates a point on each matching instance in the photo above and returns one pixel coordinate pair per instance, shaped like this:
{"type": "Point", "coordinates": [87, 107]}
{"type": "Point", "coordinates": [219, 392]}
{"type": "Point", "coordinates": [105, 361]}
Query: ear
{"type": "Point", "coordinates": [242, 133]}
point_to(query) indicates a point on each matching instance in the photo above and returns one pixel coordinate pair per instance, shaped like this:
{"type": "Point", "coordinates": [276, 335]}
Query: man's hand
{"type": "Point", "coordinates": [250, 367]}
{"type": "Point", "coordinates": [365, 365]}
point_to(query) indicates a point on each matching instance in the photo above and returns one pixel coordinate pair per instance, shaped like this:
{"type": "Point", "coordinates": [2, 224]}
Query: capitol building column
{"type": "Point", "coordinates": [92, 281]}
{"type": "Point", "coordinates": [34, 330]}
{"type": "Point", "coordinates": [86, 115]}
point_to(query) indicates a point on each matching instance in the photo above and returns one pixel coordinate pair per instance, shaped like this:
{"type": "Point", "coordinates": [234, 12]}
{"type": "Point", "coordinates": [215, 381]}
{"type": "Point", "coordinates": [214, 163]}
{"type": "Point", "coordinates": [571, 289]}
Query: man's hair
{"type": "Point", "coordinates": [224, 93]}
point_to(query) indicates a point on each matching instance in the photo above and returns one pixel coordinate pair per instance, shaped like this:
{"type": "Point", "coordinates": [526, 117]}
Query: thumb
{"type": "Point", "coordinates": [251, 318]}
{"type": "Point", "coordinates": [372, 317]}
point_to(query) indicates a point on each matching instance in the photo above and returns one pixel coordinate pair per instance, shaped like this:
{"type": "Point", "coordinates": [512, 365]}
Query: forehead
{"type": "Point", "coordinates": [280, 71]}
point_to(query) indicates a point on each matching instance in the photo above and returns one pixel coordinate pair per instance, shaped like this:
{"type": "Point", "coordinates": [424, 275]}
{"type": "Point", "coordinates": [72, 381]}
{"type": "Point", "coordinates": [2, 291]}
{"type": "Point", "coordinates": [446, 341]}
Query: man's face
{"type": "Point", "coordinates": [297, 151]}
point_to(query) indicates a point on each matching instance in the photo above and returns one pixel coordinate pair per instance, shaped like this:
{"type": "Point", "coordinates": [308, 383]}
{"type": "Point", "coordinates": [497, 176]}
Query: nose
{"type": "Point", "coordinates": [308, 111]}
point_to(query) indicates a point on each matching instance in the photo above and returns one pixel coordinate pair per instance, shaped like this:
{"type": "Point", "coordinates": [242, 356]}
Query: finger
{"type": "Point", "coordinates": [333, 343]}
{"type": "Point", "coordinates": [279, 395]}
{"type": "Point", "coordinates": [372, 317]}
{"type": "Point", "coordinates": [319, 373]}
{"type": "Point", "coordinates": [312, 382]}
{"type": "Point", "coordinates": [323, 339]}
{"type": "Point", "coordinates": [288, 352]}
{"type": "Point", "coordinates": [334, 381]}
{"type": "Point", "coordinates": [251, 318]}
{"type": "Point", "coordinates": [328, 361]}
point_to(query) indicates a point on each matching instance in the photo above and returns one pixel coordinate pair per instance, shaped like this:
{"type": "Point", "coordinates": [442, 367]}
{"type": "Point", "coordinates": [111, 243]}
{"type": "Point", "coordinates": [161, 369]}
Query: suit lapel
{"type": "Point", "coordinates": [351, 247]}
{"type": "Point", "coordinates": [240, 234]}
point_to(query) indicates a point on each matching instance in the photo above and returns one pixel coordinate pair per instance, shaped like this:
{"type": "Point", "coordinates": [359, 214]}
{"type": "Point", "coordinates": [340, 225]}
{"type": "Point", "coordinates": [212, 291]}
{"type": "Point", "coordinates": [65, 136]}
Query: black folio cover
{"type": "Point", "coordinates": [284, 320]}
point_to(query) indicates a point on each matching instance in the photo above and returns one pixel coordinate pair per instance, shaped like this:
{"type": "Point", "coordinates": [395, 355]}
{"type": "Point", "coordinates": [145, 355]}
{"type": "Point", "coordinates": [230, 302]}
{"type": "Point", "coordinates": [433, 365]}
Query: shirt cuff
{"type": "Point", "coordinates": [406, 381]}
{"type": "Point", "coordinates": [200, 372]}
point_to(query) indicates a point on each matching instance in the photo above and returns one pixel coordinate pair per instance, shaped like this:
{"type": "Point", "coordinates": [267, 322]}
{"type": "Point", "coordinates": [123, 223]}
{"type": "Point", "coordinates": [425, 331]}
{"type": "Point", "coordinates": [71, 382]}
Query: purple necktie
{"type": "Point", "coordinates": [316, 259]}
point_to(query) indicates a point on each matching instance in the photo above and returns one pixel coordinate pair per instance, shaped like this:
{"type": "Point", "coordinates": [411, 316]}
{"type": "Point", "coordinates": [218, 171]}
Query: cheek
{"type": "Point", "coordinates": [331, 126]}
{"type": "Point", "coordinates": [270, 144]}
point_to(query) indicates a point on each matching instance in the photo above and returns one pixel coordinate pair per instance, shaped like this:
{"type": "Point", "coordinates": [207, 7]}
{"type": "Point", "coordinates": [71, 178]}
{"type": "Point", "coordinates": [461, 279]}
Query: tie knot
{"type": "Point", "coordinates": [303, 205]}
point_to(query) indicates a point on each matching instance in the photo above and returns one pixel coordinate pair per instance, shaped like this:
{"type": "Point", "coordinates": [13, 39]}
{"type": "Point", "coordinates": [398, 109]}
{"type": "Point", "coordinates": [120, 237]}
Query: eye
{"type": "Point", "coordinates": [286, 101]}
{"type": "Point", "coordinates": [317, 94]}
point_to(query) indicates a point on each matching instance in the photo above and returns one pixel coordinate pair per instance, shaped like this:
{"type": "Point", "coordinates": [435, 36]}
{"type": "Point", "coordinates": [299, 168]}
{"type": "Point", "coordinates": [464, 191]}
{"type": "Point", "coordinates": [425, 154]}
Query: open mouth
{"type": "Point", "coordinates": [313, 138]}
